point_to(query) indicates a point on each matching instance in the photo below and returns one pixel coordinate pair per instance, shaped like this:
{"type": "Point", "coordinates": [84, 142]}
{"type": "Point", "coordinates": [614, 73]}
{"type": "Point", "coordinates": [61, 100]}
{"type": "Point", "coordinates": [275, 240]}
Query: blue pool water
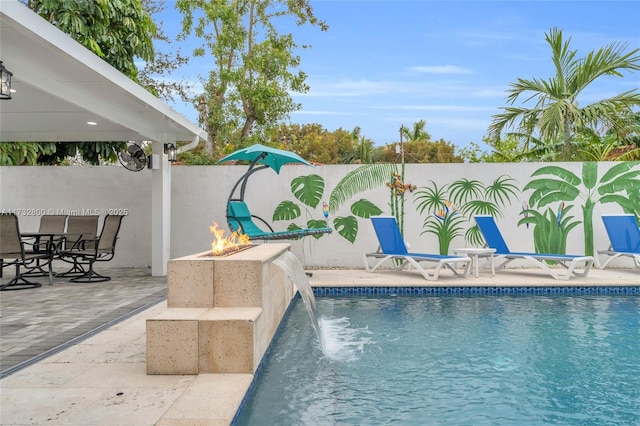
{"type": "Point", "coordinates": [493, 360]}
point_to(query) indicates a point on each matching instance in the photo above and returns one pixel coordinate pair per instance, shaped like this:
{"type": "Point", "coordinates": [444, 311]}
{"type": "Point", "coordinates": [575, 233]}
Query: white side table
{"type": "Point", "coordinates": [475, 253]}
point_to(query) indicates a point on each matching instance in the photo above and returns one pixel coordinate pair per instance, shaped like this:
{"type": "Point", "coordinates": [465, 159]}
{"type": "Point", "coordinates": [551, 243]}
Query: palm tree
{"type": "Point", "coordinates": [418, 133]}
{"type": "Point", "coordinates": [557, 113]}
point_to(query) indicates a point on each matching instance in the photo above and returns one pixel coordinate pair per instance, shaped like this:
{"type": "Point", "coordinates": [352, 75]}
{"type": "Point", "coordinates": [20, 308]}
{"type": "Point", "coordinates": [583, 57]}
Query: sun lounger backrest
{"type": "Point", "coordinates": [389, 236]}
{"type": "Point", "coordinates": [623, 232]}
{"type": "Point", "coordinates": [491, 234]}
{"type": "Point", "coordinates": [240, 217]}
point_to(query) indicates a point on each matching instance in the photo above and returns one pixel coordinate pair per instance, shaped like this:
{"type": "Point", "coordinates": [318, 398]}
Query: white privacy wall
{"type": "Point", "coordinates": [199, 195]}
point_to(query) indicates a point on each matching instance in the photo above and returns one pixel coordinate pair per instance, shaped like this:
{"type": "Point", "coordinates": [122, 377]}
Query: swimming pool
{"type": "Point", "coordinates": [454, 359]}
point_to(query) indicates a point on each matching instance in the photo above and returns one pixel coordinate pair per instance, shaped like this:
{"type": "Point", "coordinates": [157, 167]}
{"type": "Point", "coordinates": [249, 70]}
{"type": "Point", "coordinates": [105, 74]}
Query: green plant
{"type": "Point", "coordinates": [550, 231]}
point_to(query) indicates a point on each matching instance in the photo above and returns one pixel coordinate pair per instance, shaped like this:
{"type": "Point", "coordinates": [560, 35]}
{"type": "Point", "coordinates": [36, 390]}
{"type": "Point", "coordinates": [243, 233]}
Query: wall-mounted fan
{"type": "Point", "coordinates": [133, 157]}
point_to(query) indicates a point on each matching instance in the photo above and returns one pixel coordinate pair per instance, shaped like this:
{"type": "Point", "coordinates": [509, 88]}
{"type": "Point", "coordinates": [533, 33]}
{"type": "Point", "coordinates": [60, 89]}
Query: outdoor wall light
{"type": "Point", "coordinates": [5, 86]}
{"type": "Point", "coordinates": [171, 151]}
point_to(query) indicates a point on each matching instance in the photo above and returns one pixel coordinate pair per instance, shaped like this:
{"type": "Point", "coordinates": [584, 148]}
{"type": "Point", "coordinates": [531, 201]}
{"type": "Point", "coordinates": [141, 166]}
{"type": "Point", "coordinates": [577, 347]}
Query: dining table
{"type": "Point", "coordinates": [46, 242]}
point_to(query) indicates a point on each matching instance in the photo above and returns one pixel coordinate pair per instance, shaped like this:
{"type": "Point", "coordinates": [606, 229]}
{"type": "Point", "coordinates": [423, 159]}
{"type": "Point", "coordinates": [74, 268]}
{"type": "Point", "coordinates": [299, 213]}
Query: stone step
{"type": "Point", "coordinates": [206, 341]}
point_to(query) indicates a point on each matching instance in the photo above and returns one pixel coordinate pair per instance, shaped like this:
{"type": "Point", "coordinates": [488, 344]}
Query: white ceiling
{"type": "Point", "coordinates": [60, 86]}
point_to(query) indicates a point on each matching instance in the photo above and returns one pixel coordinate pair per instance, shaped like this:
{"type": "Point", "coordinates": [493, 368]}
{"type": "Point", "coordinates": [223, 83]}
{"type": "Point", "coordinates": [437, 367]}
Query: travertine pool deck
{"type": "Point", "coordinates": [102, 380]}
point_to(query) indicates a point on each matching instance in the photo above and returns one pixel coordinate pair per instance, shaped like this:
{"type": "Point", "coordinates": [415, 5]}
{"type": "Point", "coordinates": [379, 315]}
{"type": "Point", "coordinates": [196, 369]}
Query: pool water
{"type": "Point", "coordinates": [403, 360]}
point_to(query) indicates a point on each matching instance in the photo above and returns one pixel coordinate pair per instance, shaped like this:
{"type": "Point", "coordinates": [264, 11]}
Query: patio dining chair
{"type": "Point", "coordinates": [81, 235]}
{"type": "Point", "coordinates": [14, 251]}
{"type": "Point", "coordinates": [49, 235]}
{"type": "Point", "coordinates": [88, 251]}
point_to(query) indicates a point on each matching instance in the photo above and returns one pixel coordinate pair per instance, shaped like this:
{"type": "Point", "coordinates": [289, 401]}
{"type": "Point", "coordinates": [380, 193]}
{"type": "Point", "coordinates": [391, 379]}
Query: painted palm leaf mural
{"type": "Point", "coordinates": [308, 190]}
{"type": "Point", "coordinates": [449, 207]}
{"type": "Point", "coordinates": [619, 185]}
{"type": "Point", "coordinates": [364, 178]}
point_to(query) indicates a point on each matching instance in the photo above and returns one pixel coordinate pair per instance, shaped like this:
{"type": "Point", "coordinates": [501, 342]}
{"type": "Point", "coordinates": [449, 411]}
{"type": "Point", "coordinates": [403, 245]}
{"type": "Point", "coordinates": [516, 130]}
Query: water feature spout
{"type": "Point", "coordinates": [290, 264]}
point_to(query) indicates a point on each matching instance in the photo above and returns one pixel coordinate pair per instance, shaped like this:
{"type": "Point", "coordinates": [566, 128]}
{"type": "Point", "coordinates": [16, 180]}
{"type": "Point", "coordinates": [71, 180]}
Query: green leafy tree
{"type": "Point", "coordinates": [254, 68]}
{"type": "Point", "coordinates": [119, 32]}
{"type": "Point", "coordinates": [154, 76]}
{"type": "Point", "coordinates": [24, 153]}
{"type": "Point", "coordinates": [421, 151]}
{"type": "Point", "coordinates": [557, 113]}
{"type": "Point", "coordinates": [364, 149]}
{"type": "Point", "coordinates": [416, 133]}
{"type": "Point", "coordinates": [619, 185]}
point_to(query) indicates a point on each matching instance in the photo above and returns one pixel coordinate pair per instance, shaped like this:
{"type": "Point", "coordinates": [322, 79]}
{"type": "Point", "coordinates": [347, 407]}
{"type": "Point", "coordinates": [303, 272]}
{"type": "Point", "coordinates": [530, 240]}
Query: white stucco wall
{"type": "Point", "coordinates": [199, 195]}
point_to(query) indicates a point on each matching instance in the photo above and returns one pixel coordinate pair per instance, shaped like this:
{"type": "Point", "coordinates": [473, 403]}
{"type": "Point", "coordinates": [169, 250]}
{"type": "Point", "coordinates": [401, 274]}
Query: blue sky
{"type": "Point", "coordinates": [383, 64]}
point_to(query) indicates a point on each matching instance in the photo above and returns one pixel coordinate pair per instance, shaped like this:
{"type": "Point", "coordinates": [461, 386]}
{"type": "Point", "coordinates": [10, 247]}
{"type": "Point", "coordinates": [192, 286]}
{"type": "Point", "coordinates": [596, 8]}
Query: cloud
{"type": "Point", "coordinates": [447, 108]}
{"type": "Point", "coordinates": [441, 69]}
{"type": "Point", "coordinates": [316, 112]}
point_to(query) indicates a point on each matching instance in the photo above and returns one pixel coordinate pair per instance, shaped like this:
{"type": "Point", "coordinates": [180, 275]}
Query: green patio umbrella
{"type": "Point", "coordinates": [265, 155]}
{"type": "Point", "coordinates": [261, 157]}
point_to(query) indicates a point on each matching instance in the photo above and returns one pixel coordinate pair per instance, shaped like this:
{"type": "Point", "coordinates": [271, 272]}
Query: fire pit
{"type": "Point", "coordinates": [224, 246]}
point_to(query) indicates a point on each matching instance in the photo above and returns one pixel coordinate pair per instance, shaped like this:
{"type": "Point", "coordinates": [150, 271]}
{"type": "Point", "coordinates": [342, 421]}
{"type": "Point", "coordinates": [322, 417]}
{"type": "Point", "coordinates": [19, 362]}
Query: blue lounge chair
{"type": "Point", "coordinates": [240, 220]}
{"type": "Point", "coordinates": [494, 240]}
{"type": "Point", "coordinates": [392, 247]}
{"type": "Point", "coordinates": [624, 236]}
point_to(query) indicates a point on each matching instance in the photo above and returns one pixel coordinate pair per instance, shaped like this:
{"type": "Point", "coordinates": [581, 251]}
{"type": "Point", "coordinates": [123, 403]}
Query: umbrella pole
{"type": "Point", "coordinates": [245, 177]}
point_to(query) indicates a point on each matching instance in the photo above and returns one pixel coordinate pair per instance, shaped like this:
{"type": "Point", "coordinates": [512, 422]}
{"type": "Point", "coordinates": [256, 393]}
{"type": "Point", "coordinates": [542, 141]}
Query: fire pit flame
{"type": "Point", "coordinates": [223, 245]}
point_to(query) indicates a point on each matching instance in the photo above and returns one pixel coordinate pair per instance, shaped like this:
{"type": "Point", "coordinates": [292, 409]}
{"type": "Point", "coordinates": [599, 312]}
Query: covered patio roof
{"type": "Point", "coordinates": [60, 86]}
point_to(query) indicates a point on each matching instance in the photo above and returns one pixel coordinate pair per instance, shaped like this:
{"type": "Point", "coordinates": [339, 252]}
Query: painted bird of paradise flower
{"type": "Point", "coordinates": [448, 208]}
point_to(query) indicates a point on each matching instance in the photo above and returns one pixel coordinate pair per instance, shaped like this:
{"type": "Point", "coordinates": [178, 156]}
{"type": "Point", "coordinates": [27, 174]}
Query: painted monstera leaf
{"type": "Point", "coordinates": [308, 189]}
{"type": "Point", "coordinates": [286, 210]}
{"type": "Point", "coordinates": [365, 209]}
{"type": "Point", "coordinates": [347, 227]}
{"type": "Point", "coordinates": [315, 224]}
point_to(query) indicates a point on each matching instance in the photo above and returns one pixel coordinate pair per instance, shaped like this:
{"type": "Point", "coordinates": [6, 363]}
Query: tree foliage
{"type": "Point", "coordinates": [254, 67]}
{"type": "Point", "coordinates": [557, 114]}
{"type": "Point", "coordinates": [119, 32]}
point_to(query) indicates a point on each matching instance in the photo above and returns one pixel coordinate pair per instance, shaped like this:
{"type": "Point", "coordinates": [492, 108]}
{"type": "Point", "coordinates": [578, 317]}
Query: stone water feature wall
{"type": "Point", "coordinates": [222, 312]}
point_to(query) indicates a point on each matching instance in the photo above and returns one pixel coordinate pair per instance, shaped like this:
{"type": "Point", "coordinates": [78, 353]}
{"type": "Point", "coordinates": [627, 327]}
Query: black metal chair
{"type": "Point", "coordinates": [13, 253]}
{"type": "Point", "coordinates": [88, 251]}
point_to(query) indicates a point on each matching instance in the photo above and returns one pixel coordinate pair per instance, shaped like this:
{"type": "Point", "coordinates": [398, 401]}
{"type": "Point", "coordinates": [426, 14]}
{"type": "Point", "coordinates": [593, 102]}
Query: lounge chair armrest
{"type": "Point", "coordinates": [82, 244]}
{"type": "Point", "coordinates": [263, 221]}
